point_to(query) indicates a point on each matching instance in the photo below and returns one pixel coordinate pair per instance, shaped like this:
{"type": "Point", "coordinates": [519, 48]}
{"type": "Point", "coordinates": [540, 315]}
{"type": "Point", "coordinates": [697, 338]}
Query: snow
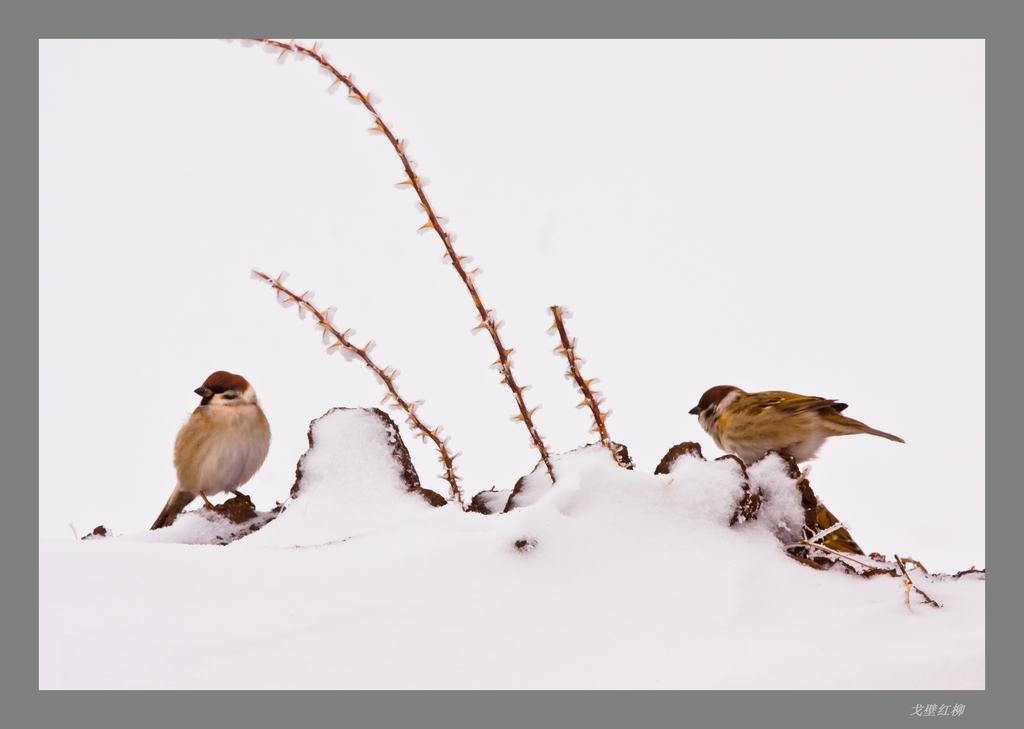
{"type": "Point", "coordinates": [351, 486]}
{"type": "Point", "coordinates": [781, 506]}
{"type": "Point", "coordinates": [610, 578]}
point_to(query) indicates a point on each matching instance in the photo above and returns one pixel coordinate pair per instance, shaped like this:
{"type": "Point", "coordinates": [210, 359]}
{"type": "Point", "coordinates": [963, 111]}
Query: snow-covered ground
{"type": "Point", "coordinates": [620, 579]}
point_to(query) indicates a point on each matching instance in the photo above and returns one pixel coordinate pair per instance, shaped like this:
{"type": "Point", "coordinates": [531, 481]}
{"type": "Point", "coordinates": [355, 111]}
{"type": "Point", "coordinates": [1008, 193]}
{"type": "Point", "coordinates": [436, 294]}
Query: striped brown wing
{"type": "Point", "coordinates": [792, 403]}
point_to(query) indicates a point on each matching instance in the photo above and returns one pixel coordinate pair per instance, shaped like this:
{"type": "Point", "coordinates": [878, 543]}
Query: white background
{"type": "Point", "coordinates": [806, 216]}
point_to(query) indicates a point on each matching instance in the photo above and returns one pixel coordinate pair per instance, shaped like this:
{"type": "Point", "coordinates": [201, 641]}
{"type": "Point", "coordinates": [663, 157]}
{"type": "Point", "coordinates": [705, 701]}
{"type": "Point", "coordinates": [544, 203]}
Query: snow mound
{"type": "Point", "coordinates": [356, 477]}
{"type": "Point", "coordinates": [224, 523]}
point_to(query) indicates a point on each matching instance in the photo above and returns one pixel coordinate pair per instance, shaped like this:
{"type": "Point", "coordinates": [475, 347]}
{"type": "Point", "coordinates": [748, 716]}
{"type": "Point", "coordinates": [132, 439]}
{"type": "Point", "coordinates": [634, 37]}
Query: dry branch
{"type": "Point", "coordinates": [910, 583]}
{"type": "Point", "coordinates": [592, 399]}
{"type": "Point", "coordinates": [845, 556]}
{"type": "Point", "coordinates": [870, 570]}
{"type": "Point", "coordinates": [824, 532]}
{"type": "Point", "coordinates": [487, 321]}
{"type": "Point", "coordinates": [386, 375]}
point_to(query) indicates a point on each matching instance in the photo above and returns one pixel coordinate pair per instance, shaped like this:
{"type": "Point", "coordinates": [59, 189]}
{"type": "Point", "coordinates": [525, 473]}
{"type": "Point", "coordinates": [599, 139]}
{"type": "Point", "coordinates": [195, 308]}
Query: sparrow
{"type": "Point", "coordinates": [220, 447]}
{"type": "Point", "coordinates": [749, 424]}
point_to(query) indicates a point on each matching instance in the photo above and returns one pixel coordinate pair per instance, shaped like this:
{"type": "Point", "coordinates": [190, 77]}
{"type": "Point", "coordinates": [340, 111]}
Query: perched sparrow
{"type": "Point", "coordinates": [221, 446]}
{"type": "Point", "coordinates": [751, 423]}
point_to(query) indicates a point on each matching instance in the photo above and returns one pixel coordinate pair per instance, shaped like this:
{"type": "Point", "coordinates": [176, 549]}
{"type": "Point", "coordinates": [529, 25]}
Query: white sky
{"type": "Point", "coordinates": [789, 215]}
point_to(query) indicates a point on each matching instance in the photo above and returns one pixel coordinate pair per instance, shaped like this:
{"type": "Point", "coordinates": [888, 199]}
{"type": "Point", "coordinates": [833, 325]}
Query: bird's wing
{"type": "Point", "coordinates": [792, 403]}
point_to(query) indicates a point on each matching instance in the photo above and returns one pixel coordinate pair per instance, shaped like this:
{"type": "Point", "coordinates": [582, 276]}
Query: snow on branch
{"type": "Point", "coordinates": [386, 375]}
{"type": "Point", "coordinates": [434, 222]}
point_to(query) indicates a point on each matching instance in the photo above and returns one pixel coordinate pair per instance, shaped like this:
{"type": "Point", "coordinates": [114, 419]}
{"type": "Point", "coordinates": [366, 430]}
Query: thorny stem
{"type": "Point", "coordinates": [486, 315]}
{"type": "Point", "coordinates": [591, 398]}
{"type": "Point", "coordinates": [385, 375]}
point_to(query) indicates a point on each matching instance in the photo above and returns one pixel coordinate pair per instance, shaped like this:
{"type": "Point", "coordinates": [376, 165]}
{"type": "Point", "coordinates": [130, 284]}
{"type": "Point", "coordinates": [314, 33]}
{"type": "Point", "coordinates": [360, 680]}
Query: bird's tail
{"type": "Point", "coordinates": [174, 506]}
{"type": "Point", "coordinates": [852, 427]}
{"type": "Point", "coordinates": [883, 434]}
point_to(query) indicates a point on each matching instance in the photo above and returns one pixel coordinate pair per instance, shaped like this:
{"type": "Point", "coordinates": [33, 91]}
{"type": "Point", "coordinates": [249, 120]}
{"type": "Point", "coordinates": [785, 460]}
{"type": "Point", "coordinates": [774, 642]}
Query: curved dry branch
{"type": "Point", "coordinates": [487, 321]}
{"type": "Point", "coordinates": [386, 375]}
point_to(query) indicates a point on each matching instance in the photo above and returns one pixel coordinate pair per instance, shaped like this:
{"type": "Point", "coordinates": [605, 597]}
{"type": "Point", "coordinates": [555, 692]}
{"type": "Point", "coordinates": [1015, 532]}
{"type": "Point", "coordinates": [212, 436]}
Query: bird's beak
{"type": "Point", "coordinates": [203, 391]}
{"type": "Point", "coordinates": [696, 410]}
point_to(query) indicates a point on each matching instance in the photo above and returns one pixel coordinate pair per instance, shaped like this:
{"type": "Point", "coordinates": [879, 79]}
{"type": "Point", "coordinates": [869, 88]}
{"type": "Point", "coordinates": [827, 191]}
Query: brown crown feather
{"type": "Point", "coordinates": [715, 395]}
{"type": "Point", "coordinates": [221, 381]}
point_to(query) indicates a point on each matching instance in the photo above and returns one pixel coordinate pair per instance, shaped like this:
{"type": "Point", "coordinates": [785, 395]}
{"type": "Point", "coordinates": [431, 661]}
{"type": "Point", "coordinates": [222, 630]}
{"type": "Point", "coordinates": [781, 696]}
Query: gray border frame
{"type": "Point", "coordinates": [25, 706]}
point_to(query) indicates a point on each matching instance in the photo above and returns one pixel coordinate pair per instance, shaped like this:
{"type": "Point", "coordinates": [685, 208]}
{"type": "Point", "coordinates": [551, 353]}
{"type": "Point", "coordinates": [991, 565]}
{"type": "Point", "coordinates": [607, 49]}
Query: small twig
{"type": "Point", "coordinates": [911, 560]}
{"type": "Point", "coordinates": [901, 570]}
{"type": "Point", "coordinates": [910, 583]}
{"type": "Point", "coordinates": [841, 555]}
{"type": "Point", "coordinates": [972, 571]}
{"type": "Point", "coordinates": [386, 375]}
{"type": "Point", "coordinates": [487, 321]}
{"type": "Point", "coordinates": [825, 532]}
{"type": "Point", "coordinates": [907, 585]}
{"type": "Point", "coordinates": [322, 544]}
{"type": "Point", "coordinates": [70, 524]}
{"type": "Point", "coordinates": [592, 399]}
